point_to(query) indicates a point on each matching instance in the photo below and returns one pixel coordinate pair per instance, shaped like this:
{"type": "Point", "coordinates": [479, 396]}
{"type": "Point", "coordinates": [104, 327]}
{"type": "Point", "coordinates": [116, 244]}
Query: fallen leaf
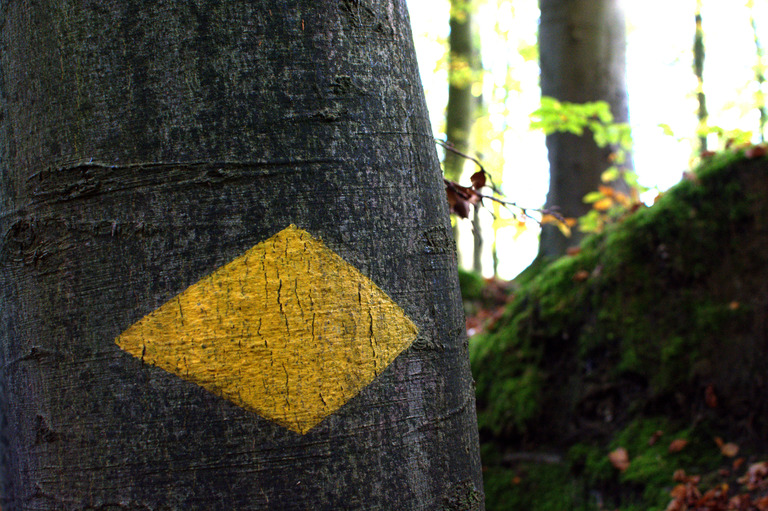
{"type": "Point", "coordinates": [655, 437]}
{"type": "Point", "coordinates": [762, 504]}
{"type": "Point", "coordinates": [755, 474]}
{"type": "Point", "coordinates": [572, 251]}
{"type": "Point", "coordinates": [677, 444]}
{"type": "Point", "coordinates": [679, 491]}
{"type": "Point", "coordinates": [729, 450]}
{"type": "Point", "coordinates": [619, 458]}
{"type": "Point", "coordinates": [580, 276]}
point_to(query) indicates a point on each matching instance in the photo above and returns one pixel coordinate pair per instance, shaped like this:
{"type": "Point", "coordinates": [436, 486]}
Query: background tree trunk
{"type": "Point", "coordinates": [143, 146]}
{"type": "Point", "coordinates": [699, 54]}
{"type": "Point", "coordinates": [582, 51]}
{"type": "Point", "coordinates": [464, 70]}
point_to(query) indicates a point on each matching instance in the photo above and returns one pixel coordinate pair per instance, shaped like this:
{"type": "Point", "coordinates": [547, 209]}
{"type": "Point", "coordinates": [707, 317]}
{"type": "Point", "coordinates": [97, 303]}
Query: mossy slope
{"type": "Point", "coordinates": [644, 323]}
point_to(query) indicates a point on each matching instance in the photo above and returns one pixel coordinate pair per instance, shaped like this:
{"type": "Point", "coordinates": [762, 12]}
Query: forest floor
{"type": "Point", "coordinates": [631, 374]}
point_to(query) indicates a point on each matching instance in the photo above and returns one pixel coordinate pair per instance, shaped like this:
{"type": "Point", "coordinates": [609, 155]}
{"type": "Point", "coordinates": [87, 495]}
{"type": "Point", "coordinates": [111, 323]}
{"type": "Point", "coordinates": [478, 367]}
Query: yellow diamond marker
{"type": "Point", "coordinates": [288, 330]}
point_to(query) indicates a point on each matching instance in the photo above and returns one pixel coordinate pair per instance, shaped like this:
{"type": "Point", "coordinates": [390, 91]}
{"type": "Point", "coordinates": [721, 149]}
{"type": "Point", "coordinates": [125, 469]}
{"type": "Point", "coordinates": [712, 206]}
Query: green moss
{"type": "Point", "coordinates": [531, 486]}
{"type": "Point", "coordinates": [471, 285]}
{"type": "Point", "coordinates": [596, 347]}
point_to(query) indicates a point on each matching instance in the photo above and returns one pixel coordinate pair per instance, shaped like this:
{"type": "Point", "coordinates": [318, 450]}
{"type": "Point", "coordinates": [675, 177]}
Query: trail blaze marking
{"type": "Point", "coordinates": [288, 330]}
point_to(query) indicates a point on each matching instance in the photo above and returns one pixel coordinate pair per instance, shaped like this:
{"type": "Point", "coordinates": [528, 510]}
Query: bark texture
{"type": "Point", "coordinates": [144, 144]}
{"type": "Point", "coordinates": [582, 45]}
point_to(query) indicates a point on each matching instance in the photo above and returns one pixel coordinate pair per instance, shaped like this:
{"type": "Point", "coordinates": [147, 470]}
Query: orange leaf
{"type": "Point", "coordinates": [606, 190]}
{"type": "Point", "coordinates": [603, 204]}
{"type": "Point", "coordinates": [677, 444]}
{"type": "Point", "coordinates": [619, 458]}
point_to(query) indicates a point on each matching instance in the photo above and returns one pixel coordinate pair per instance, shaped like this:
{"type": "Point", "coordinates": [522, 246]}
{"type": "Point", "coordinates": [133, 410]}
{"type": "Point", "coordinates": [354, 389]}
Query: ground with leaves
{"type": "Point", "coordinates": [631, 374]}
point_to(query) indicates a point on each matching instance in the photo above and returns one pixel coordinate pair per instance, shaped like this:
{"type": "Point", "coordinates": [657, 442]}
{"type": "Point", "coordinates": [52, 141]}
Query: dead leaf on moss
{"type": "Point", "coordinates": [655, 437]}
{"type": "Point", "coordinates": [678, 444]}
{"type": "Point", "coordinates": [580, 276]}
{"type": "Point", "coordinates": [619, 458]}
{"type": "Point", "coordinates": [727, 449]}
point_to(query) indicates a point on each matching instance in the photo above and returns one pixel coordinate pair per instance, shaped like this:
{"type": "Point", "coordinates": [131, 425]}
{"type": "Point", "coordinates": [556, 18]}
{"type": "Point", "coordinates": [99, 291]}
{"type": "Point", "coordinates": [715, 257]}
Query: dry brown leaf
{"type": "Point", "coordinates": [619, 458]}
{"type": "Point", "coordinates": [729, 450]}
{"type": "Point", "coordinates": [655, 437]}
{"type": "Point", "coordinates": [678, 444]}
{"type": "Point", "coordinates": [580, 276]}
{"type": "Point", "coordinates": [755, 474]}
{"type": "Point", "coordinates": [477, 179]}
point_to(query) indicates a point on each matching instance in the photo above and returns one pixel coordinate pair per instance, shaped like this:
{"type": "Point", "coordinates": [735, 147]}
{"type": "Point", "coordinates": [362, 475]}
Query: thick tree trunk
{"type": "Point", "coordinates": [582, 47]}
{"type": "Point", "coordinates": [147, 146]}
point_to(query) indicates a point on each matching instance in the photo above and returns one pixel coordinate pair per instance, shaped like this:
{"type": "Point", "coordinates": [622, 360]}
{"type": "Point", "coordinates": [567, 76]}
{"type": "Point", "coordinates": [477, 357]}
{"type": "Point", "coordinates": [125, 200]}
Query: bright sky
{"type": "Point", "coordinates": [660, 79]}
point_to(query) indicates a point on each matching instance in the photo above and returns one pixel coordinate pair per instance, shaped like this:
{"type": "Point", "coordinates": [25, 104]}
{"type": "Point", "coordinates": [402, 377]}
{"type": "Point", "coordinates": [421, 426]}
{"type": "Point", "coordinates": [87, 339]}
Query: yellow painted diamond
{"type": "Point", "coordinates": [288, 330]}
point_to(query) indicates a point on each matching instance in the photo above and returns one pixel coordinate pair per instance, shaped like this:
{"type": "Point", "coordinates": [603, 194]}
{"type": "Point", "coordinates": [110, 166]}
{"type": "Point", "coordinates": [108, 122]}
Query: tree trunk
{"type": "Point", "coordinates": [582, 47]}
{"type": "Point", "coordinates": [464, 68]}
{"type": "Point", "coordinates": [699, 55]}
{"type": "Point", "coordinates": [228, 274]}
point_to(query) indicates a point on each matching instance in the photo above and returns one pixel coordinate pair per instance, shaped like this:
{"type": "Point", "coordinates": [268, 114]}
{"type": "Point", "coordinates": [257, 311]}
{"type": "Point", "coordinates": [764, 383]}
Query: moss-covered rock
{"type": "Point", "coordinates": [663, 315]}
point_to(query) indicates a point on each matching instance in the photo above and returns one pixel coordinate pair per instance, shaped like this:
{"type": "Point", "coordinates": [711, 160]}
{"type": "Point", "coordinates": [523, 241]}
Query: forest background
{"type": "Point", "coordinates": [662, 90]}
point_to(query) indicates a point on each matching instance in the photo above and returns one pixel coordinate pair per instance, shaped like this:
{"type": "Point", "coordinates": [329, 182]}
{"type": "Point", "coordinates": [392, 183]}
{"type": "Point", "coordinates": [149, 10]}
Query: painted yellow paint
{"type": "Point", "coordinates": [288, 330]}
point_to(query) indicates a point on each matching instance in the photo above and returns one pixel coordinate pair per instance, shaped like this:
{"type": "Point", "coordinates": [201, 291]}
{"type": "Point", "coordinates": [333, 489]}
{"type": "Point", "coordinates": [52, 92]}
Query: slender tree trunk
{"type": "Point", "coordinates": [228, 275]}
{"type": "Point", "coordinates": [464, 68]}
{"type": "Point", "coordinates": [583, 53]}
{"type": "Point", "coordinates": [698, 69]}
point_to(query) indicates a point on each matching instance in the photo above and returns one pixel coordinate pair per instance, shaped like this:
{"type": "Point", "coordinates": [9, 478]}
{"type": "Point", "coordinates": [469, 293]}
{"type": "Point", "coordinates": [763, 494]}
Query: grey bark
{"type": "Point", "coordinates": [582, 47]}
{"type": "Point", "coordinates": [143, 144]}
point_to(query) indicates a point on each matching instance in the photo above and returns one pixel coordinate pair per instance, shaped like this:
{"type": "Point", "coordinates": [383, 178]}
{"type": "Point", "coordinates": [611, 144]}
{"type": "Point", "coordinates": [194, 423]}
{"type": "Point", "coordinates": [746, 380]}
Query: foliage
{"type": "Point", "coordinates": [621, 192]}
